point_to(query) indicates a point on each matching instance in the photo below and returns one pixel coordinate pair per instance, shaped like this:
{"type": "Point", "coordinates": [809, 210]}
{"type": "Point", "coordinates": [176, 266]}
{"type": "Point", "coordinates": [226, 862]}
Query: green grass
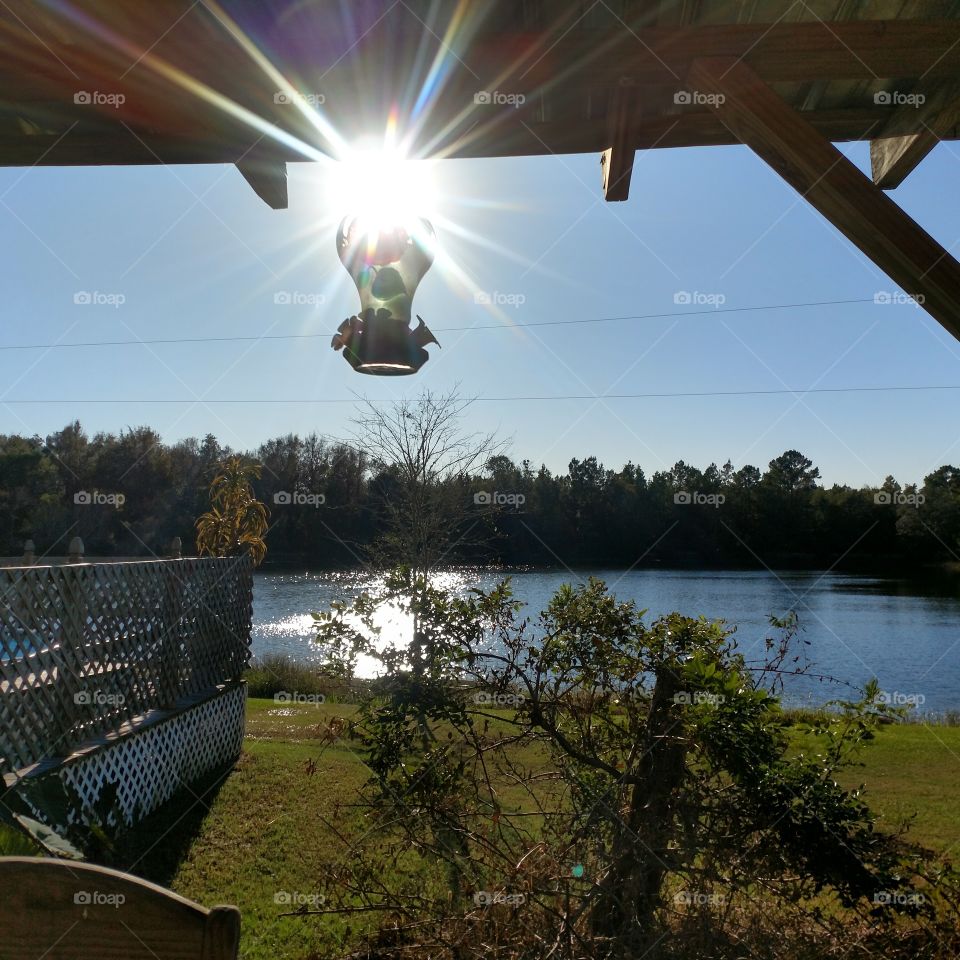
{"type": "Point", "coordinates": [911, 769]}
{"type": "Point", "coordinates": [264, 833]}
{"type": "Point", "coordinates": [271, 826]}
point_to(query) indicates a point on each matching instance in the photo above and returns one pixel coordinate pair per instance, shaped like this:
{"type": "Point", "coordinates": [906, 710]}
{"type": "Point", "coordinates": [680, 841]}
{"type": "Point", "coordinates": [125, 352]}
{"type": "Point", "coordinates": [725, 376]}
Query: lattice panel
{"type": "Point", "coordinates": [151, 765]}
{"type": "Point", "coordinates": [85, 648]}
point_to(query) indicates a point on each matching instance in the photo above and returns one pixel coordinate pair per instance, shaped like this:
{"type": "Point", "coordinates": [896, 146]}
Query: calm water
{"type": "Point", "coordinates": [857, 626]}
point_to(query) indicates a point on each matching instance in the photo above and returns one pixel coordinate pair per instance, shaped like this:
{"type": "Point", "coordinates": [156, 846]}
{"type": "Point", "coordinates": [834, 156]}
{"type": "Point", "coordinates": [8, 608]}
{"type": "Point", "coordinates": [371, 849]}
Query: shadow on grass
{"type": "Point", "coordinates": [155, 847]}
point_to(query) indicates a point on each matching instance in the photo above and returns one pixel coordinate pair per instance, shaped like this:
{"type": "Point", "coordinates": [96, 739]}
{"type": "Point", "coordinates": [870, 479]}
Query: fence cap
{"type": "Point", "coordinates": [76, 547]}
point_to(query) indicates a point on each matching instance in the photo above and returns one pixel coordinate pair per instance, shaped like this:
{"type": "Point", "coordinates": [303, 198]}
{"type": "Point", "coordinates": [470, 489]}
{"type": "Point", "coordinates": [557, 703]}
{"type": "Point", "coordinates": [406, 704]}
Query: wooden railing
{"type": "Point", "coordinates": [87, 648]}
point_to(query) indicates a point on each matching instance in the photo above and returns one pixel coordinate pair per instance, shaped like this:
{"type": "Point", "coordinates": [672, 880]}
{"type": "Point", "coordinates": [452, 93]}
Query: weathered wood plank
{"type": "Point", "coordinates": [912, 132]}
{"type": "Point", "coordinates": [616, 162]}
{"type": "Point", "coordinates": [63, 910]}
{"type": "Point", "coordinates": [834, 186]}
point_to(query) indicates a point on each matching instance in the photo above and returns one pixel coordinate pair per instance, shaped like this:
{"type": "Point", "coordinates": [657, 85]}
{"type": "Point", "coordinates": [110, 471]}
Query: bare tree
{"type": "Point", "coordinates": [425, 459]}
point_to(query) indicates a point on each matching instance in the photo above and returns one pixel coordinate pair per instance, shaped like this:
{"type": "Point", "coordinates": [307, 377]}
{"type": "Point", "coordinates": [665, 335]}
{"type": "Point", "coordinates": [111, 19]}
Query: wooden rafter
{"type": "Point", "coordinates": [616, 162]}
{"type": "Point", "coordinates": [913, 130]}
{"type": "Point", "coordinates": [834, 186]}
{"type": "Point", "coordinates": [268, 177]}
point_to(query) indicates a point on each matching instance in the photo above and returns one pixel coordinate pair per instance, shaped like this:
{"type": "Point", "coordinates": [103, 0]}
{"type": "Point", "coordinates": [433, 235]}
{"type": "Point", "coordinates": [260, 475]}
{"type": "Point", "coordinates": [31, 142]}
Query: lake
{"type": "Point", "coordinates": [905, 633]}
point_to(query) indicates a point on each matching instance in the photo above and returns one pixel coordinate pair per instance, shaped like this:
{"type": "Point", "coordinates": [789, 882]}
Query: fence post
{"type": "Point", "coordinates": [29, 553]}
{"type": "Point", "coordinates": [176, 549]}
{"type": "Point", "coordinates": [75, 551]}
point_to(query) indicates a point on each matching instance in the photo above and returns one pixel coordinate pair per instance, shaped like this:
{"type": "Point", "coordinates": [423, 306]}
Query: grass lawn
{"type": "Point", "coordinates": [268, 831]}
{"type": "Point", "coordinates": [912, 769]}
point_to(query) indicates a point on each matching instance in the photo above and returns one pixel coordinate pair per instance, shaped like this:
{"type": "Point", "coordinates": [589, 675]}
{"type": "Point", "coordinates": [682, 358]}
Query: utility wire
{"type": "Point", "coordinates": [488, 326]}
{"type": "Point", "coordinates": [604, 396]}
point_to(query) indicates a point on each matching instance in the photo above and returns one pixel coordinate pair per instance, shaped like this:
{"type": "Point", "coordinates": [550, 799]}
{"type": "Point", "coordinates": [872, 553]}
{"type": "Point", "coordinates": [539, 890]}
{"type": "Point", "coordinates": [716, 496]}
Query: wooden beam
{"type": "Point", "coordinates": [268, 177]}
{"type": "Point", "coordinates": [79, 147]}
{"type": "Point", "coordinates": [799, 52]}
{"type": "Point", "coordinates": [31, 69]}
{"type": "Point", "coordinates": [859, 209]}
{"type": "Point", "coordinates": [912, 132]}
{"type": "Point", "coordinates": [616, 162]}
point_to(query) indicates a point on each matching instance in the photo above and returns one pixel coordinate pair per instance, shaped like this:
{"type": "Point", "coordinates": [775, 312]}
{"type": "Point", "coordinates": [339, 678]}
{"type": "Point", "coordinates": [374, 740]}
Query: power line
{"type": "Point", "coordinates": [605, 396]}
{"type": "Point", "coordinates": [489, 326]}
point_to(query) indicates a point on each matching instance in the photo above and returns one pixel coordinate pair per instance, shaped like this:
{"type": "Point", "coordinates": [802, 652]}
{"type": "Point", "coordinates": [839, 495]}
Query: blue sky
{"type": "Point", "coordinates": [195, 253]}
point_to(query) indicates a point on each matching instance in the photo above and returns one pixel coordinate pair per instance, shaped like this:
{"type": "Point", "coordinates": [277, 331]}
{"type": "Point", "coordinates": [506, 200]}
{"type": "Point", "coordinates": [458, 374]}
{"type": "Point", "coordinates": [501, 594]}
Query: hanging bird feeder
{"type": "Point", "coordinates": [386, 264]}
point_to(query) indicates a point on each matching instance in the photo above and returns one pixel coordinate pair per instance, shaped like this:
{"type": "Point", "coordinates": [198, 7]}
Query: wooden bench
{"type": "Point", "coordinates": [61, 910]}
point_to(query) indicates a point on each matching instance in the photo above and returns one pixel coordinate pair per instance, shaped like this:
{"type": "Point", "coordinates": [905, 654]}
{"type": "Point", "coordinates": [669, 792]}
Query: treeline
{"type": "Point", "coordinates": [129, 494]}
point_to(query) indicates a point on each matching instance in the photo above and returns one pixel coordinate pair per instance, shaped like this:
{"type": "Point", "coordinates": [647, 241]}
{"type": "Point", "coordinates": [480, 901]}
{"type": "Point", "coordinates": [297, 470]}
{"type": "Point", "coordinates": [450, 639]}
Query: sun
{"type": "Point", "coordinates": [382, 185]}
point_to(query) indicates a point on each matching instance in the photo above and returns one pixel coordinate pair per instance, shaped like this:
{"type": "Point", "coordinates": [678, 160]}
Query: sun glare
{"type": "Point", "coordinates": [381, 185]}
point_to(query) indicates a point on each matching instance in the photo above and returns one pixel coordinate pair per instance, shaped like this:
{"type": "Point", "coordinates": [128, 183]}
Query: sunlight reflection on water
{"type": "Point", "coordinates": [281, 626]}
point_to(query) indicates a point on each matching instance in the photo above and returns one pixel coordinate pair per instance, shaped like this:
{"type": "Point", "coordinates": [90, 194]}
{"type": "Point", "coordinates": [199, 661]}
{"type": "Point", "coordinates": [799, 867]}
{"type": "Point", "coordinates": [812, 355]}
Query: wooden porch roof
{"type": "Point", "coordinates": [260, 83]}
{"type": "Point", "coordinates": [195, 76]}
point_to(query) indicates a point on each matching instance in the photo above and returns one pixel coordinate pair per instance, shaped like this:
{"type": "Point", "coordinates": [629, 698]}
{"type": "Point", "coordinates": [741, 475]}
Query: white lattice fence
{"type": "Point", "coordinates": [125, 673]}
{"type": "Point", "coordinates": [85, 648]}
{"type": "Point", "coordinates": [150, 765]}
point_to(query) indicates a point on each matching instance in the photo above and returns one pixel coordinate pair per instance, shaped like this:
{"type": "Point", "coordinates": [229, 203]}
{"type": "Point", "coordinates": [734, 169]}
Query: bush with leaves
{"type": "Point", "coordinates": [641, 781]}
